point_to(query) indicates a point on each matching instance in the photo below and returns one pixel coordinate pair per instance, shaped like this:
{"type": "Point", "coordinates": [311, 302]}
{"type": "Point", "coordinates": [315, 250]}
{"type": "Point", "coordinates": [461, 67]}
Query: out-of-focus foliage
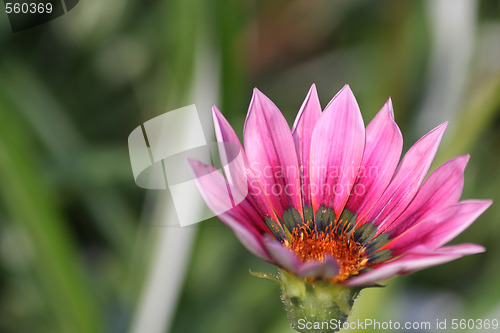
{"type": "Point", "coordinates": [73, 250]}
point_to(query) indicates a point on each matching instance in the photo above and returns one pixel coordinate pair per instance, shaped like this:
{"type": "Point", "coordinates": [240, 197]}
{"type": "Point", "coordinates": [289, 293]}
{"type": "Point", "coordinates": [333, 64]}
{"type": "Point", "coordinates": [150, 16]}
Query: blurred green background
{"type": "Point", "coordinates": [83, 249]}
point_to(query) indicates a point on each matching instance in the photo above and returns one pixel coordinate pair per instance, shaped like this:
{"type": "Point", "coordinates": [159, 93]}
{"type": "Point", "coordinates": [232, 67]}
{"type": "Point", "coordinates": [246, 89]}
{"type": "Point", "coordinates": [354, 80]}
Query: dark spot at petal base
{"type": "Point", "coordinates": [379, 257]}
{"type": "Point", "coordinates": [377, 243]}
{"type": "Point", "coordinates": [363, 233]}
{"type": "Point", "coordinates": [276, 229]}
{"type": "Point", "coordinates": [325, 217]}
{"type": "Point", "coordinates": [292, 219]}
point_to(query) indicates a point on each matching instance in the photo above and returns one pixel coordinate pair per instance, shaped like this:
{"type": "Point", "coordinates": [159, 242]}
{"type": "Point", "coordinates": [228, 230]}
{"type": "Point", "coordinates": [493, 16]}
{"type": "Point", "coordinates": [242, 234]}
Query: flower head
{"type": "Point", "coordinates": [331, 201]}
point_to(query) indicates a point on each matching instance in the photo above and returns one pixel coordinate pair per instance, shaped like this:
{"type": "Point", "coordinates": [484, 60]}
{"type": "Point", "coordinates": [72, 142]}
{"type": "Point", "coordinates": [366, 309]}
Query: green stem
{"type": "Point", "coordinates": [318, 306]}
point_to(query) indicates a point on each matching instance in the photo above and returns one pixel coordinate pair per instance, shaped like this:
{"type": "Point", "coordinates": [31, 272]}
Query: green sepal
{"type": "Point", "coordinates": [267, 276]}
{"type": "Point", "coordinates": [316, 301]}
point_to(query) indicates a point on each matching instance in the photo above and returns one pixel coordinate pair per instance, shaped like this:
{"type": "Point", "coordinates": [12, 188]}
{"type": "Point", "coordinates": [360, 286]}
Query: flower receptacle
{"type": "Point", "coordinates": [316, 306]}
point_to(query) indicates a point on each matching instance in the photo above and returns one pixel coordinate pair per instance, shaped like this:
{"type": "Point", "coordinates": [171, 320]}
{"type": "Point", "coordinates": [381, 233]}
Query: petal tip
{"type": "Point", "coordinates": [459, 162]}
{"type": "Point", "coordinates": [463, 160]}
{"type": "Point", "coordinates": [439, 130]}
{"type": "Point", "coordinates": [257, 94]}
{"type": "Point", "coordinates": [435, 135]}
{"type": "Point", "coordinates": [479, 206]}
{"type": "Point", "coordinates": [443, 126]}
{"type": "Point", "coordinates": [480, 249]}
{"type": "Point", "coordinates": [313, 90]}
{"type": "Point", "coordinates": [389, 107]}
{"type": "Point", "coordinates": [258, 97]}
{"type": "Point", "coordinates": [311, 98]}
{"type": "Point", "coordinates": [198, 168]}
{"type": "Point", "coordinates": [488, 203]}
{"type": "Point", "coordinates": [485, 204]}
{"type": "Point", "coordinates": [215, 113]}
{"type": "Point", "coordinates": [345, 95]}
{"type": "Point", "coordinates": [346, 89]}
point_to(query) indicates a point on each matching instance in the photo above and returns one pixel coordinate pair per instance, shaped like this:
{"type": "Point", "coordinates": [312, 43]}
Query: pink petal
{"type": "Point", "coordinates": [281, 255]}
{"type": "Point", "coordinates": [218, 196]}
{"type": "Point", "coordinates": [241, 179]}
{"type": "Point", "coordinates": [326, 269]}
{"type": "Point", "coordinates": [383, 147]}
{"type": "Point", "coordinates": [463, 249]}
{"type": "Point", "coordinates": [337, 148]}
{"type": "Point", "coordinates": [270, 148]}
{"type": "Point", "coordinates": [388, 270]}
{"type": "Point", "coordinates": [302, 134]}
{"type": "Point", "coordinates": [407, 179]}
{"type": "Point", "coordinates": [439, 228]}
{"type": "Point", "coordinates": [442, 188]}
{"type": "Point", "coordinates": [223, 130]}
{"type": "Point", "coordinates": [286, 259]}
{"type": "Point", "coordinates": [413, 262]}
{"type": "Point", "coordinates": [248, 236]}
{"type": "Point", "coordinates": [236, 174]}
{"type": "Point", "coordinates": [245, 222]}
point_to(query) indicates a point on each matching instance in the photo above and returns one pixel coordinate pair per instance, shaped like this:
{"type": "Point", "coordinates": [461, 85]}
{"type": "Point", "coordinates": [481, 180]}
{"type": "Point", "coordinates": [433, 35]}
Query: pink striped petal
{"type": "Point", "coordinates": [219, 196]}
{"type": "Point", "coordinates": [443, 233]}
{"type": "Point", "coordinates": [223, 130]}
{"type": "Point", "coordinates": [302, 134]}
{"type": "Point", "coordinates": [398, 267]}
{"type": "Point", "coordinates": [413, 262]}
{"type": "Point", "coordinates": [442, 188]}
{"type": "Point", "coordinates": [439, 228]}
{"type": "Point", "coordinates": [242, 179]}
{"type": "Point", "coordinates": [236, 173]}
{"type": "Point", "coordinates": [337, 146]}
{"type": "Point", "coordinates": [407, 179]}
{"type": "Point", "coordinates": [270, 148]}
{"type": "Point", "coordinates": [464, 249]}
{"type": "Point", "coordinates": [245, 222]}
{"type": "Point", "coordinates": [383, 147]}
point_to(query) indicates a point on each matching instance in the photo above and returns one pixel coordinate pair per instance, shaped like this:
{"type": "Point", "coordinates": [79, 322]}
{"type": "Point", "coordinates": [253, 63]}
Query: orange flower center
{"type": "Point", "coordinates": [314, 245]}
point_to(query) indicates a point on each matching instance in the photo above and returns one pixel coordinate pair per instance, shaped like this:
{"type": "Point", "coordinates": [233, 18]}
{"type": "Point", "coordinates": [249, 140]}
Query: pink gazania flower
{"type": "Point", "coordinates": [330, 199]}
